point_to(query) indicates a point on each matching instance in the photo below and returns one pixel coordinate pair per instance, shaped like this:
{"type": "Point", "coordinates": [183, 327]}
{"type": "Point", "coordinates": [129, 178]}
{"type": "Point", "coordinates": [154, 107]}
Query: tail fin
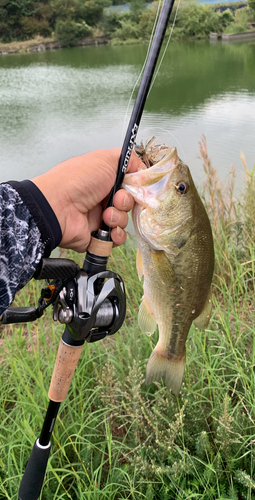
{"type": "Point", "coordinates": [169, 370]}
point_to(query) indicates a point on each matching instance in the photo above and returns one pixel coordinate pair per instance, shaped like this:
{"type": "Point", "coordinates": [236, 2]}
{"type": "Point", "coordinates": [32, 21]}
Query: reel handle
{"type": "Point", "coordinates": [19, 315]}
{"type": "Point", "coordinates": [56, 269]}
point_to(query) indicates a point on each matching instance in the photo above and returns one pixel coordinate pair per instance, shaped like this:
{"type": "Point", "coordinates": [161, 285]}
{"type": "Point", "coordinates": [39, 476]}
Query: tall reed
{"type": "Point", "coordinates": [116, 438]}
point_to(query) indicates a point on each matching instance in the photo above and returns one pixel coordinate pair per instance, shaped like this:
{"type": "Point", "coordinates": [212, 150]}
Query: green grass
{"type": "Point", "coordinates": [116, 438]}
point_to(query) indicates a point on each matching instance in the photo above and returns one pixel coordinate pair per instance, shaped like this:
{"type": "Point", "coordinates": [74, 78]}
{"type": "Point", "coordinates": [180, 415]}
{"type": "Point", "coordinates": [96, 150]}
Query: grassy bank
{"type": "Point", "coordinates": [39, 44]}
{"type": "Point", "coordinates": [25, 45]}
{"type": "Point", "coordinates": [116, 438]}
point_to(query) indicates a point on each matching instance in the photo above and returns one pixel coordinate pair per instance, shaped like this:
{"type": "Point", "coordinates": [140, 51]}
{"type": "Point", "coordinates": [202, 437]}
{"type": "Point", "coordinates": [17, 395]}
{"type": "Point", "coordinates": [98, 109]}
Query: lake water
{"type": "Point", "coordinates": [55, 105]}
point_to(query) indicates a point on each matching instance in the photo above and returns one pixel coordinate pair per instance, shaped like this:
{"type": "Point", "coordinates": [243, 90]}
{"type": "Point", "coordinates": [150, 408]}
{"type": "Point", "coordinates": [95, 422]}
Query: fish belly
{"type": "Point", "coordinates": [167, 361]}
{"type": "Point", "coordinates": [164, 304]}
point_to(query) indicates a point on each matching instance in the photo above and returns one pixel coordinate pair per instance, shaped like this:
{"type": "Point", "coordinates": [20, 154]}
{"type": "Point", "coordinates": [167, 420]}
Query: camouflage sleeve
{"type": "Point", "coordinates": [29, 230]}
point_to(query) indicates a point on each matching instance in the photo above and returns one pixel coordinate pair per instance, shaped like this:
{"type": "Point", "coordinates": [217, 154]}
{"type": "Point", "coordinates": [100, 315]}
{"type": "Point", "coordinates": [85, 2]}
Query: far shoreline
{"type": "Point", "coordinates": [40, 44]}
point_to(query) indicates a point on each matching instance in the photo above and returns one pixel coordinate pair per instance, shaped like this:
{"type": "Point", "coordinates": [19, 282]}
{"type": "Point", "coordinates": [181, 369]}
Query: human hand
{"type": "Point", "coordinates": [77, 189]}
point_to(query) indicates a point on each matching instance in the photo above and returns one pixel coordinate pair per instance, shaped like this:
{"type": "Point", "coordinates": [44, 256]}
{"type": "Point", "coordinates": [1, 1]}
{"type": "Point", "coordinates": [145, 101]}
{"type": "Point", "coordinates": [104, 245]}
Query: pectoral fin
{"type": "Point", "coordinates": [162, 266]}
{"type": "Point", "coordinates": [146, 320]}
{"type": "Point", "coordinates": [203, 319]}
{"type": "Point", "coordinates": [139, 264]}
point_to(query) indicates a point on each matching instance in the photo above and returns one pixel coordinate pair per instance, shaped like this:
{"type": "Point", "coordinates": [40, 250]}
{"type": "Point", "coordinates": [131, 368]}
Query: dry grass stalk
{"type": "Point", "coordinates": [220, 200]}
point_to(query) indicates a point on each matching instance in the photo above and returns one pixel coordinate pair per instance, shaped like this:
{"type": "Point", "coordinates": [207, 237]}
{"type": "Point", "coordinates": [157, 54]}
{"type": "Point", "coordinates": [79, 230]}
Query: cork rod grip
{"type": "Point", "coordinates": [98, 247]}
{"type": "Point", "coordinates": [65, 364]}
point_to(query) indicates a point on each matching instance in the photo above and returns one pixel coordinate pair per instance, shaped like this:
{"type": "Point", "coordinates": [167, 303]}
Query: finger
{"type": "Point", "coordinates": [113, 217]}
{"type": "Point", "coordinates": [118, 236]}
{"type": "Point", "coordinates": [134, 163]}
{"type": "Point", "coordinates": [123, 200]}
{"type": "Point", "coordinates": [77, 233]}
{"type": "Point", "coordinates": [95, 218]}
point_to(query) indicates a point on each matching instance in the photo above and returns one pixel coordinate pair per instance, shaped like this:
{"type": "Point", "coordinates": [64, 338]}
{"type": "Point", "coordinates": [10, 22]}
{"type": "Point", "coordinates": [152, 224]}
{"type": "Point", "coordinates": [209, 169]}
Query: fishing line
{"type": "Point", "coordinates": [144, 130]}
{"type": "Point", "coordinates": [134, 122]}
{"type": "Point", "coordinates": [157, 71]}
{"type": "Point", "coordinates": [141, 72]}
{"type": "Point", "coordinates": [166, 47]}
{"type": "Point", "coordinates": [125, 121]}
{"type": "Point", "coordinates": [114, 189]}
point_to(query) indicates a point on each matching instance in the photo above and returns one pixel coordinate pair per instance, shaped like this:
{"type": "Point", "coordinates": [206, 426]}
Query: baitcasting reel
{"type": "Point", "coordinates": [91, 306]}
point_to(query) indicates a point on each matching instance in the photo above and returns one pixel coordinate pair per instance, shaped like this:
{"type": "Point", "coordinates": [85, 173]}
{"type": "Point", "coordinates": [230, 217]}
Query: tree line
{"type": "Point", "coordinates": [71, 20]}
{"type": "Point", "coordinates": [24, 19]}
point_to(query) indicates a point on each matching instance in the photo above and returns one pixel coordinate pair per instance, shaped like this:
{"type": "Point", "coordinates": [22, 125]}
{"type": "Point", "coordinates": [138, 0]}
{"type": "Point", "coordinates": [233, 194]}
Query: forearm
{"type": "Point", "coordinates": [29, 230]}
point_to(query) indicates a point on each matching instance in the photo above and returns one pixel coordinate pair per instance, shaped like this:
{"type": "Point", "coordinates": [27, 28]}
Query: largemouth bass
{"type": "Point", "coordinates": [175, 255]}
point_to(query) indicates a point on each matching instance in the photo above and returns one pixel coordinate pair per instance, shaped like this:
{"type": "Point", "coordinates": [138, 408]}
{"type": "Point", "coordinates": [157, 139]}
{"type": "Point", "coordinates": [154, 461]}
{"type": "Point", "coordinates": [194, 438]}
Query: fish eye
{"type": "Point", "coordinates": [182, 187]}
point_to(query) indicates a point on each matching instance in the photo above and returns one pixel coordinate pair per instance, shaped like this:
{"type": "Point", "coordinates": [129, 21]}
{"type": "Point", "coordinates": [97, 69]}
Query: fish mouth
{"type": "Point", "coordinates": [147, 184]}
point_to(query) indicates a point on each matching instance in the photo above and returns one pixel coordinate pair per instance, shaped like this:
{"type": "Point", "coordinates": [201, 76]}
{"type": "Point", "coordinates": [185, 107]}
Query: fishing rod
{"type": "Point", "coordinates": [91, 300]}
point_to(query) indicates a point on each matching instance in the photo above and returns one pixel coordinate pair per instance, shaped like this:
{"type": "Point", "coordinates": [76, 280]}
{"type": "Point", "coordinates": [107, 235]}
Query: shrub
{"type": "Point", "coordinates": [198, 20]}
{"type": "Point", "coordinates": [110, 23]}
{"type": "Point", "coordinates": [5, 31]}
{"type": "Point", "coordinates": [251, 4]}
{"type": "Point", "coordinates": [128, 30]}
{"type": "Point", "coordinates": [240, 23]}
{"type": "Point", "coordinates": [92, 10]}
{"type": "Point", "coordinates": [235, 28]}
{"type": "Point", "coordinates": [227, 17]}
{"type": "Point", "coordinates": [69, 32]}
{"type": "Point", "coordinates": [147, 21]}
{"type": "Point", "coordinates": [63, 10]}
{"type": "Point", "coordinates": [32, 26]}
{"type": "Point", "coordinates": [137, 7]}
{"type": "Point", "coordinates": [242, 16]}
